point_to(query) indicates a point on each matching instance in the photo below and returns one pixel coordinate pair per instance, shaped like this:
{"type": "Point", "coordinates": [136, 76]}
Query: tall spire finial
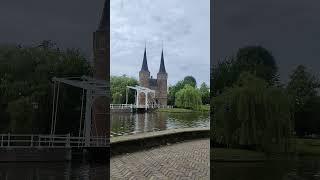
{"type": "Point", "coordinates": [162, 66]}
{"type": "Point", "coordinates": [145, 62]}
{"type": "Point", "coordinates": [104, 17]}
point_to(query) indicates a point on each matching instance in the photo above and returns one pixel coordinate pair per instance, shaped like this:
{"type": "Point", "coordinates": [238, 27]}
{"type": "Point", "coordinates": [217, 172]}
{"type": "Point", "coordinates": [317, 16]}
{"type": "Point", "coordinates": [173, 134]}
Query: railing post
{"type": "Point", "coordinates": [31, 141]}
{"type": "Point", "coordinates": [39, 141]}
{"type": "Point", "coordinates": [8, 140]}
{"type": "Point", "coordinates": [68, 140]}
{"type": "Point", "coordinates": [1, 140]}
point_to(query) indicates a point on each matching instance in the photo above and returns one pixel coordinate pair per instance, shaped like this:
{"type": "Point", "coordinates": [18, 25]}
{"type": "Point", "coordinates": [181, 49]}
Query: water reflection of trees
{"type": "Point", "coordinates": [190, 119]}
{"type": "Point", "coordinates": [294, 168]}
{"type": "Point", "coordinates": [121, 122]}
{"type": "Point", "coordinates": [127, 123]}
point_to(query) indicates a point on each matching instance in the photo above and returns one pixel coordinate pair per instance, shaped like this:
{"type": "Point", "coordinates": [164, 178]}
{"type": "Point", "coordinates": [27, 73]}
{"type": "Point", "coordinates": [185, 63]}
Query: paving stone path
{"type": "Point", "coordinates": [186, 160]}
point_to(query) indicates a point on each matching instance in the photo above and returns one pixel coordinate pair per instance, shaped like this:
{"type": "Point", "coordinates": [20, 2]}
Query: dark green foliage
{"type": "Point", "coordinates": [302, 86]}
{"type": "Point", "coordinates": [188, 98]}
{"type": "Point", "coordinates": [307, 120]}
{"type": "Point", "coordinates": [253, 114]}
{"type": "Point", "coordinates": [118, 89]}
{"type": "Point", "coordinates": [26, 74]}
{"type": "Point", "coordinates": [190, 80]}
{"type": "Point", "coordinates": [258, 61]}
{"type": "Point", "coordinates": [302, 89]}
{"type": "Point", "coordinates": [205, 93]}
{"type": "Point", "coordinates": [223, 75]}
{"type": "Point", "coordinates": [173, 90]}
{"type": "Point", "coordinates": [254, 59]}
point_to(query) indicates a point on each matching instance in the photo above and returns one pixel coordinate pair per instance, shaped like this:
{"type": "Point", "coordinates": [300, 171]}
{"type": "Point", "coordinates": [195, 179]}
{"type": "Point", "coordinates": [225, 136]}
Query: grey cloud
{"type": "Point", "coordinates": [169, 21]}
{"type": "Point", "coordinates": [289, 28]}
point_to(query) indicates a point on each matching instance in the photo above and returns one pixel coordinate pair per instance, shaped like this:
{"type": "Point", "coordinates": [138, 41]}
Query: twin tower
{"type": "Point", "coordinates": [159, 84]}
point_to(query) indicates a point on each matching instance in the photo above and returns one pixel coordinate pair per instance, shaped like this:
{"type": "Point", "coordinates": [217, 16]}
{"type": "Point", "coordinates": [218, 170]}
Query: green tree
{"type": "Point", "coordinates": [251, 113]}
{"type": "Point", "coordinates": [26, 74]}
{"type": "Point", "coordinates": [20, 113]}
{"type": "Point", "coordinates": [118, 89]}
{"type": "Point", "coordinates": [254, 59]}
{"type": "Point", "coordinates": [205, 93]}
{"type": "Point", "coordinates": [258, 61]}
{"type": "Point", "coordinates": [302, 89]}
{"type": "Point", "coordinates": [173, 90]}
{"type": "Point", "coordinates": [302, 86]}
{"type": "Point", "coordinates": [190, 80]}
{"type": "Point", "coordinates": [223, 75]}
{"type": "Point", "coordinates": [188, 97]}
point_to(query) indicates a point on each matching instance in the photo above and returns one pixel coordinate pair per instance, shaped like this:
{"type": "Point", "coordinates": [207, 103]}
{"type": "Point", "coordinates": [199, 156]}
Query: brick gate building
{"type": "Point", "coordinates": [159, 84]}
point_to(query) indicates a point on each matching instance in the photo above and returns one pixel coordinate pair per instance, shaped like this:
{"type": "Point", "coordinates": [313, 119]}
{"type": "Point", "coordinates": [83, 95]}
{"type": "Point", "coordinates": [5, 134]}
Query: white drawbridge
{"type": "Point", "coordinates": [149, 100]}
{"type": "Point", "coordinates": [91, 89]}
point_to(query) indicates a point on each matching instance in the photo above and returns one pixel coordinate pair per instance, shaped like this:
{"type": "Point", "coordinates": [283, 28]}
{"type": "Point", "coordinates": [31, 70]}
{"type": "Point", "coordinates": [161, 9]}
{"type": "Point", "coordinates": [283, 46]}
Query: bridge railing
{"type": "Point", "coordinates": [122, 106]}
{"type": "Point", "coordinates": [130, 106]}
{"type": "Point", "coordinates": [25, 140]}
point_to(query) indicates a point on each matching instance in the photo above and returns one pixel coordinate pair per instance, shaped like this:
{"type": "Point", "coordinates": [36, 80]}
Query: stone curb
{"type": "Point", "coordinates": [132, 143]}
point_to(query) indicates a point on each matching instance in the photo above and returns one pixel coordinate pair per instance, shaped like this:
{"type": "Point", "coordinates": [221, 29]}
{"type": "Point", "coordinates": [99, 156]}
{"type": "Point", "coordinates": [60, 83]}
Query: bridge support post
{"type": "Point", "coordinates": [8, 139]}
{"type": "Point", "coordinates": [146, 101]}
{"type": "Point", "coordinates": [88, 118]}
{"type": "Point", "coordinates": [137, 99]}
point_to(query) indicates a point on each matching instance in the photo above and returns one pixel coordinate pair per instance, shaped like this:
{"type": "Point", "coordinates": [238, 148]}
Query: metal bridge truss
{"type": "Point", "coordinates": [146, 91]}
{"type": "Point", "coordinates": [91, 89]}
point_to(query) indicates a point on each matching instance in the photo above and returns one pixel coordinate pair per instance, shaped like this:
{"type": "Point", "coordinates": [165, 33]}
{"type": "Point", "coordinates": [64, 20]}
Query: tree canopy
{"type": "Point", "coordinates": [254, 59]}
{"type": "Point", "coordinates": [118, 89]}
{"type": "Point", "coordinates": [190, 80]}
{"type": "Point", "coordinates": [205, 93]}
{"type": "Point", "coordinates": [251, 113]}
{"type": "Point", "coordinates": [188, 97]}
{"type": "Point", "coordinates": [25, 80]}
{"type": "Point", "coordinates": [302, 89]}
{"type": "Point", "coordinates": [302, 86]}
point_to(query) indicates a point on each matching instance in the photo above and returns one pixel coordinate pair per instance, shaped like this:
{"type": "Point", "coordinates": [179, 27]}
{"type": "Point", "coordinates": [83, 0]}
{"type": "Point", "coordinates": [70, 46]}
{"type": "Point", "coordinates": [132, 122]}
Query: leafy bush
{"type": "Point", "coordinates": [253, 114]}
{"type": "Point", "coordinates": [189, 98]}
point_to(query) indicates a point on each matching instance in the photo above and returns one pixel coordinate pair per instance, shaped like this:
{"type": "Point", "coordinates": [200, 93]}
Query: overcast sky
{"type": "Point", "coordinates": [70, 23]}
{"type": "Point", "coordinates": [183, 26]}
{"type": "Point", "coordinates": [290, 29]}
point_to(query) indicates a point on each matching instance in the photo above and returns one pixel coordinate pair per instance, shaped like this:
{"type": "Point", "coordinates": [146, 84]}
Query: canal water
{"type": "Point", "coordinates": [299, 168]}
{"type": "Point", "coordinates": [54, 171]}
{"type": "Point", "coordinates": [132, 123]}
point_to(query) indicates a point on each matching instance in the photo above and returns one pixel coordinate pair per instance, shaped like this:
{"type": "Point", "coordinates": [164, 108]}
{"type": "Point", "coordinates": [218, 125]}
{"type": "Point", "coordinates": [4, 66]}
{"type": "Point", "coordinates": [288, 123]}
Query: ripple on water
{"type": "Point", "coordinates": [127, 123]}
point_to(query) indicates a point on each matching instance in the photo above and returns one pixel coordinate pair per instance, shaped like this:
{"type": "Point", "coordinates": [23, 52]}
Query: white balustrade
{"type": "Point", "coordinates": [52, 141]}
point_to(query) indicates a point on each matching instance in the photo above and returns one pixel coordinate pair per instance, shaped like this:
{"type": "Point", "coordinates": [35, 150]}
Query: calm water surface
{"type": "Point", "coordinates": [302, 168]}
{"type": "Point", "coordinates": [132, 123]}
{"type": "Point", "coordinates": [54, 171]}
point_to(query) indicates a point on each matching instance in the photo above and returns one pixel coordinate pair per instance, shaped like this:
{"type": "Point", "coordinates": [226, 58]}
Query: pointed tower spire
{"type": "Point", "coordinates": [162, 66]}
{"type": "Point", "coordinates": [103, 20]}
{"type": "Point", "coordinates": [145, 62]}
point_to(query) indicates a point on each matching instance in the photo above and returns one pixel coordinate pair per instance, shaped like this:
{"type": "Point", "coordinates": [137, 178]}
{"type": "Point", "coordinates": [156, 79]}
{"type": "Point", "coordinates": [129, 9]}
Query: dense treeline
{"type": "Point", "coordinates": [251, 108]}
{"type": "Point", "coordinates": [26, 87]}
{"type": "Point", "coordinates": [118, 89]}
{"type": "Point", "coordinates": [184, 94]}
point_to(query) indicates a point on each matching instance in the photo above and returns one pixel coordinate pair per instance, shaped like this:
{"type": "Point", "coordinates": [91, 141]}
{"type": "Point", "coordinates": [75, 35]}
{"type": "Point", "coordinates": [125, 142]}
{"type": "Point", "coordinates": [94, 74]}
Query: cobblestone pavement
{"type": "Point", "coordinates": [186, 160]}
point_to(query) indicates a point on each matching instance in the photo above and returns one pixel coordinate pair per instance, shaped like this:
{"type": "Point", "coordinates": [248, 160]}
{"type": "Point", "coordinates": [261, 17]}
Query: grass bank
{"type": "Point", "coordinates": [236, 155]}
{"type": "Point", "coordinates": [308, 146]}
{"type": "Point", "coordinates": [203, 108]}
{"type": "Point", "coordinates": [301, 147]}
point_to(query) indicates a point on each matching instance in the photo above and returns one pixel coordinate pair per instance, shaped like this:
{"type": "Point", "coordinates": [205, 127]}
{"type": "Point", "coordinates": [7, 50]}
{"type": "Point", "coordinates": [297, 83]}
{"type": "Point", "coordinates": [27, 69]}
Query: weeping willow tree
{"type": "Point", "coordinates": [251, 113]}
{"type": "Point", "coordinates": [189, 98]}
